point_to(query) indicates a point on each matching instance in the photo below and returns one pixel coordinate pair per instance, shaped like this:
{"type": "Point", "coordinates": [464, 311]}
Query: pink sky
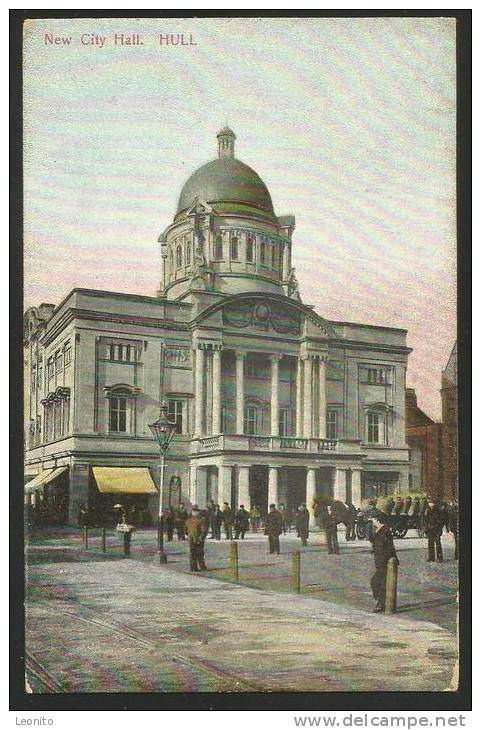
{"type": "Point", "coordinates": [350, 123]}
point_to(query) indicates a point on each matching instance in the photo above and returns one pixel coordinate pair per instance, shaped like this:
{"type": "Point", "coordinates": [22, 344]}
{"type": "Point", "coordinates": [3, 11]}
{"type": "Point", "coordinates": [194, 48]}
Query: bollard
{"type": "Point", "coordinates": [234, 561]}
{"type": "Point", "coordinates": [86, 537]}
{"type": "Point", "coordinates": [104, 540]}
{"type": "Point", "coordinates": [127, 536]}
{"type": "Point", "coordinates": [391, 585]}
{"type": "Point", "coordinates": [296, 572]}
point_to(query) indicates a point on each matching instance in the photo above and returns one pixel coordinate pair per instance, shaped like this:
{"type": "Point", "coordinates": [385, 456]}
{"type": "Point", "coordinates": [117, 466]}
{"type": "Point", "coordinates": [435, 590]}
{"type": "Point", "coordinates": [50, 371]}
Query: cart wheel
{"type": "Point", "coordinates": [361, 532]}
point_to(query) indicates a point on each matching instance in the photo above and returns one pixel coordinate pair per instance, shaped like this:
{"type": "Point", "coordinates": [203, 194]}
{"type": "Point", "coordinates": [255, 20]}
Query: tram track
{"type": "Point", "coordinates": [225, 679]}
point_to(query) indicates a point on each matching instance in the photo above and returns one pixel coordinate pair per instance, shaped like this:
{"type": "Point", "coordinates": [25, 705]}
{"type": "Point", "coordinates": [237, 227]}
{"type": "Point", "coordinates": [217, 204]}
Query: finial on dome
{"type": "Point", "coordinates": [226, 140]}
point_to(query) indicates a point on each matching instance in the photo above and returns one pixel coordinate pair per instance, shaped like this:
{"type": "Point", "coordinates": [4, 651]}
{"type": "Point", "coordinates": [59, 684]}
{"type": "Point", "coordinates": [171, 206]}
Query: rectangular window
{"type": "Point", "coordinates": [175, 412]}
{"type": "Point", "coordinates": [118, 414]}
{"type": "Point", "coordinates": [51, 368]}
{"type": "Point", "coordinates": [67, 355]}
{"type": "Point", "coordinates": [234, 248]}
{"type": "Point", "coordinates": [218, 252]}
{"type": "Point", "coordinates": [253, 367]}
{"type": "Point", "coordinates": [331, 425]}
{"type": "Point", "coordinates": [250, 420]}
{"type": "Point", "coordinates": [283, 422]}
{"type": "Point", "coordinates": [376, 428]}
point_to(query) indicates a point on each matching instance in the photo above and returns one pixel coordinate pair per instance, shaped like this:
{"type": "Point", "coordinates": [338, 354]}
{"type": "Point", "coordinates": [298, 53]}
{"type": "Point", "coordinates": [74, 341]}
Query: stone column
{"type": "Point", "coordinates": [199, 392]}
{"type": "Point", "coordinates": [322, 397]}
{"type": "Point", "coordinates": [243, 487]}
{"type": "Point", "coordinates": [225, 484]}
{"type": "Point", "coordinates": [356, 494]}
{"type": "Point", "coordinates": [273, 490]}
{"type": "Point", "coordinates": [239, 382]}
{"type": "Point", "coordinates": [216, 391]}
{"type": "Point", "coordinates": [310, 494]}
{"type": "Point", "coordinates": [193, 484]}
{"type": "Point", "coordinates": [340, 485]}
{"type": "Point", "coordinates": [275, 394]}
{"type": "Point", "coordinates": [299, 423]}
{"type": "Point", "coordinates": [307, 398]}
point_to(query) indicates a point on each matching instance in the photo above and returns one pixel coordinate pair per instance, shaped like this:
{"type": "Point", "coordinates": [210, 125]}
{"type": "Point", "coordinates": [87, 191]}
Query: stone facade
{"type": "Point", "coordinates": [424, 438]}
{"type": "Point", "coordinates": [272, 401]}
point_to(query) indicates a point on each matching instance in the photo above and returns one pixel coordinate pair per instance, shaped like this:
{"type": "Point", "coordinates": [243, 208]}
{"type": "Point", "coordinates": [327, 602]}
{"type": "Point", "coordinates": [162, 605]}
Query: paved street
{"type": "Point", "coordinates": [100, 622]}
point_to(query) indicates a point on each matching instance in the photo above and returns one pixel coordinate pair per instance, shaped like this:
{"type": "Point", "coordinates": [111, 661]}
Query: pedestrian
{"type": "Point", "coordinates": [218, 519]}
{"type": "Point", "coordinates": [434, 520]}
{"type": "Point", "coordinates": [181, 515]}
{"type": "Point", "coordinates": [169, 520]}
{"type": "Point", "coordinates": [453, 518]}
{"type": "Point", "coordinates": [211, 512]}
{"type": "Point", "coordinates": [285, 517]}
{"type": "Point", "coordinates": [383, 550]}
{"type": "Point", "coordinates": [227, 520]}
{"type": "Point", "coordinates": [83, 516]}
{"type": "Point", "coordinates": [205, 519]}
{"type": "Point", "coordinates": [302, 524]}
{"type": "Point", "coordinates": [254, 516]}
{"type": "Point", "coordinates": [329, 524]}
{"type": "Point", "coordinates": [241, 522]}
{"type": "Point", "coordinates": [195, 526]}
{"type": "Point", "coordinates": [273, 528]}
{"type": "Point", "coordinates": [351, 521]}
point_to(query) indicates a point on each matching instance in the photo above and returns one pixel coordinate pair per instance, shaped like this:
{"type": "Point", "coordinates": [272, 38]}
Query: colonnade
{"type": "Point", "coordinates": [310, 392]}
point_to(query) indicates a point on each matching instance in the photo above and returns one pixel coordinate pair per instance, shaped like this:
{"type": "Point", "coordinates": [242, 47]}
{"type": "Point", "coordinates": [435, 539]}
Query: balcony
{"type": "Point", "coordinates": [288, 444]}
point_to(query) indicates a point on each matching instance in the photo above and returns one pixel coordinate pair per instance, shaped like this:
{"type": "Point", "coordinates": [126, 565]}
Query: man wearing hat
{"type": "Point", "coordinates": [434, 519]}
{"type": "Point", "coordinates": [273, 528]}
{"type": "Point", "coordinates": [196, 531]}
{"type": "Point", "coordinates": [302, 524]}
{"type": "Point", "coordinates": [384, 549]}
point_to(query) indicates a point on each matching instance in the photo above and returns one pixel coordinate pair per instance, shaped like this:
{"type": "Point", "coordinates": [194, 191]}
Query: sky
{"type": "Point", "coordinates": [349, 122]}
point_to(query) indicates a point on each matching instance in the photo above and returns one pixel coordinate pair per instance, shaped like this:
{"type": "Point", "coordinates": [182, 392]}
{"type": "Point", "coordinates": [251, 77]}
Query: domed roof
{"type": "Point", "coordinates": [226, 180]}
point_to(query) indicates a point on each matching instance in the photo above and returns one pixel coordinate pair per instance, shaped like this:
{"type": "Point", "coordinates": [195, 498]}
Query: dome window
{"type": "Point", "coordinates": [274, 258]}
{"type": "Point", "coordinates": [187, 253]}
{"type": "Point", "coordinates": [234, 248]}
{"type": "Point", "coordinates": [250, 251]}
{"type": "Point", "coordinates": [263, 252]}
{"type": "Point", "coordinates": [218, 247]}
{"type": "Point", "coordinates": [178, 256]}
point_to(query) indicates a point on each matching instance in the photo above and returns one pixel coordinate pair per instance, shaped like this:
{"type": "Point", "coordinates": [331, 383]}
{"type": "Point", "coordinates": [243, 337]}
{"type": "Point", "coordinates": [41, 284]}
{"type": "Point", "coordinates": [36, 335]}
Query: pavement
{"type": "Point", "coordinates": [101, 622]}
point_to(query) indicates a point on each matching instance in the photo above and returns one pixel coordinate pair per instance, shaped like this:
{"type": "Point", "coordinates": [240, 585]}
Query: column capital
{"type": "Point", "coordinates": [275, 356]}
{"type": "Point", "coordinates": [240, 354]}
{"type": "Point", "coordinates": [212, 346]}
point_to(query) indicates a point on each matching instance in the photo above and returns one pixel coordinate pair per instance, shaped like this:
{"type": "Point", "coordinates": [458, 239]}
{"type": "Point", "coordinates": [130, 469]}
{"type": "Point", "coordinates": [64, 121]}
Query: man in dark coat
{"type": "Point", "coordinates": [241, 522]}
{"type": "Point", "coordinates": [195, 526]}
{"type": "Point", "coordinates": [351, 521]}
{"type": "Point", "coordinates": [211, 512]}
{"type": "Point", "coordinates": [169, 519]}
{"type": "Point", "coordinates": [383, 550]}
{"type": "Point", "coordinates": [285, 518]}
{"type": "Point", "coordinates": [329, 524]}
{"type": "Point", "coordinates": [218, 519]}
{"type": "Point", "coordinates": [181, 515]}
{"type": "Point", "coordinates": [227, 519]}
{"type": "Point", "coordinates": [302, 524]}
{"type": "Point", "coordinates": [434, 520]}
{"type": "Point", "coordinates": [273, 528]}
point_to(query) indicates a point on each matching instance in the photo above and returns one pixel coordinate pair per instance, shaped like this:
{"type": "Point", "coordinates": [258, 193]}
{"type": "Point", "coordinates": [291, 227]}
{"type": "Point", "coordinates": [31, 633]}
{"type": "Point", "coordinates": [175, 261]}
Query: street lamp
{"type": "Point", "coordinates": [163, 430]}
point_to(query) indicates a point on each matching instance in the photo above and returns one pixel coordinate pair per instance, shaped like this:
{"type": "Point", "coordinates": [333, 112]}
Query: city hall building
{"type": "Point", "coordinates": [273, 403]}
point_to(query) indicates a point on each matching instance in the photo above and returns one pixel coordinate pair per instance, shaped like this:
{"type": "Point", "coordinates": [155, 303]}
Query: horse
{"type": "Point", "coordinates": [339, 510]}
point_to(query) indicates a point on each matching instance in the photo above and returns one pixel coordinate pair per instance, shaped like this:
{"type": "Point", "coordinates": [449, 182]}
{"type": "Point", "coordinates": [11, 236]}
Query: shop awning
{"type": "Point", "coordinates": [45, 476]}
{"type": "Point", "coordinates": [124, 480]}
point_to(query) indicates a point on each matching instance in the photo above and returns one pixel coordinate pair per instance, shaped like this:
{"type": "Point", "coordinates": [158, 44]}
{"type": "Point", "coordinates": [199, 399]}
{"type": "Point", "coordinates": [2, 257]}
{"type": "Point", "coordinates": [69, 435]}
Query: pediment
{"type": "Point", "coordinates": [199, 207]}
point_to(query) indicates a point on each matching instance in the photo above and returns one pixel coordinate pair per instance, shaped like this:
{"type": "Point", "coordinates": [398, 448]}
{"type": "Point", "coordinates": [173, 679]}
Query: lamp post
{"type": "Point", "coordinates": [163, 430]}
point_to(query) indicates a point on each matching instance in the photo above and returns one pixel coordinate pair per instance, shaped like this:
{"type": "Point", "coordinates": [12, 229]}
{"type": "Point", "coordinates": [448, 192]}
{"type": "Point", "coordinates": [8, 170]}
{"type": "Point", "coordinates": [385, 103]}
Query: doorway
{"type": "Point", "coordinates": [258, 487]}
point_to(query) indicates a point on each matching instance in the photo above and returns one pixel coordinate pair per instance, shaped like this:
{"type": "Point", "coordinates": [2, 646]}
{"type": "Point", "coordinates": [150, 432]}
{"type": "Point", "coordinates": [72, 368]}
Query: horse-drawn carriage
{"type": "Point", "coordinates": [403, 512]}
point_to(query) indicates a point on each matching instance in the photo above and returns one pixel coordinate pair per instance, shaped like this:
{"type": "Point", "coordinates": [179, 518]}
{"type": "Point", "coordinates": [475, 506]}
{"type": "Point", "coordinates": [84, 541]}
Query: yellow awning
{"type": "Point", "coordinates": [46, 476]}
{"type": "Point", "coordinates": [38, 481]}
{"type": "Point", "coordinates": [124, 479]}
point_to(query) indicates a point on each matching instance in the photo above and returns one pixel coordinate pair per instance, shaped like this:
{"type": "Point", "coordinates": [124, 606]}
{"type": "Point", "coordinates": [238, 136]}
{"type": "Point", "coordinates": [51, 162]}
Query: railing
{"type": "Point", "coordinates": [294, 443]}
{"type": "Point", "coordinates": [266, 443]}
{"type": "Point", "coordinates": [211, 442]}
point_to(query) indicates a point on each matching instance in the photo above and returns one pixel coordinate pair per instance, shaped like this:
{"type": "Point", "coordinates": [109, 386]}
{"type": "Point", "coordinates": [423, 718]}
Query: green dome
{"type": "Point", "coordinates": [226, 180]}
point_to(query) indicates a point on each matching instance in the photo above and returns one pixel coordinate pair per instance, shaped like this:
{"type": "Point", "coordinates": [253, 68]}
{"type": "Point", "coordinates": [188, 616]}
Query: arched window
{"type": "Point", "coordinates": [171, 259]}
{"type": "Point", "coordinates": [250, 250]}
{"type": "Point", "coordinates": [188, 250]}
{"type": "Point", "coordinates": [263, 252]}
{"type": "Point", "coordinates": [234, 248]}
{"type": "Point", "coordinates": [178, 256]}
{"type": "Point", "coordinates": [274, 257]}
{"type": "Point", "coordinates": [218, 247]}
{"type": "Point", "coordinates": [250, 420]}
